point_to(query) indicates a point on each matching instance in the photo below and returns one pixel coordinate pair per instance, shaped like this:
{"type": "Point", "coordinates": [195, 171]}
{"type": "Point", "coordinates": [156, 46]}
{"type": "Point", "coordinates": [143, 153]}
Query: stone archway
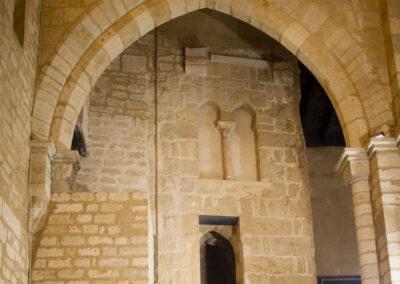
{"type": "Point", "coordinates": [96, 40]}
{"type": "Point", "coordinates": [217, 259]}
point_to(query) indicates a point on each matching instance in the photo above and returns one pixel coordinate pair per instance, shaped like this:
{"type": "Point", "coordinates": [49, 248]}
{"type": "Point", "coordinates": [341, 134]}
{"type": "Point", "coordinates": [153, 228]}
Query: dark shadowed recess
{"type": "Point", "coordinates": [320, 123]}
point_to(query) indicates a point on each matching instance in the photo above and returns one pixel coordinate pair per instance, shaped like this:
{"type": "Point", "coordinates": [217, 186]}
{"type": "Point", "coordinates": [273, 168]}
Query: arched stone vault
{"type": "Point", "coordinates": [322, 44]}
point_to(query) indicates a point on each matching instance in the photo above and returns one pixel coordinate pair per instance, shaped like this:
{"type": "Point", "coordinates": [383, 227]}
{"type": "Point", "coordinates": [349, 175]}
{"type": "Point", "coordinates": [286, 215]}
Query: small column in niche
{"type": "Point", "coordinates": [226, 128]}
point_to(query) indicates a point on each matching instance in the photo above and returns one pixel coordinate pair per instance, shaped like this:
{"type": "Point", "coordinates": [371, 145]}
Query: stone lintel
{"type": "Point", "coordinates": [353, 165]}
{"type": "Point", "coordinates": [201, 52]}
{"type": "Point", "coordinates": [249, 62]}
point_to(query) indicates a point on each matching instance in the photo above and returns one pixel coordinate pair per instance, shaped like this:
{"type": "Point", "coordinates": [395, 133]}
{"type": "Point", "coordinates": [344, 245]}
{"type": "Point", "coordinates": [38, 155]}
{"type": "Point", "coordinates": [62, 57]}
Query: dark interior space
{"type": "Point", "coordinates": [218, 260]}
{"type": "Point", "coordinates": [320, 123]}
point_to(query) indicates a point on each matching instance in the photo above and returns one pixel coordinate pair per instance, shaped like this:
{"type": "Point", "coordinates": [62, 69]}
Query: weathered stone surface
{"type": "Point", "coordinates": [19, 41]}
{"type": "Point", "coordinates": [95, 245]}
{"type": "Point", "coordinates": [352, 48]}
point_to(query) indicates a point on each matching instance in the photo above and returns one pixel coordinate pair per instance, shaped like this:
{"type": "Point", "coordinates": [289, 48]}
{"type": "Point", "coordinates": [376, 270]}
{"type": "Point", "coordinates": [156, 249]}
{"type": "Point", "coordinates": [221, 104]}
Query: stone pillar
{"type": "Point", "coordinates": [65, 166]}
{"type": "Point", "coordinates": [353, 165]}
{"type": "Point", "coordinates": [384, 160]}
{"type": "Point", "coordinates": [42, 152]}
{"type": "Point", "coordinates": [226, 127]}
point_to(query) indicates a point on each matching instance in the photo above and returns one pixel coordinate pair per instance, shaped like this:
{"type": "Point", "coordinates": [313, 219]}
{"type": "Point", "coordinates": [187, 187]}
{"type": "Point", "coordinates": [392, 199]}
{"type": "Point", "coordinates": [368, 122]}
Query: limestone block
{"type": "Point", "coordinates": [196, 60]}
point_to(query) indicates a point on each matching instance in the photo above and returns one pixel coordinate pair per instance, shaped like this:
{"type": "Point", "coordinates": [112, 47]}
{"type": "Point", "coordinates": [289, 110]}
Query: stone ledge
{"type": "Point", "coordinates": [249, 62]}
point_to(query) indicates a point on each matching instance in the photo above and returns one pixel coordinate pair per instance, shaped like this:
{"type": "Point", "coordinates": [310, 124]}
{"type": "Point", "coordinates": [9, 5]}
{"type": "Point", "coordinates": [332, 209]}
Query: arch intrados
{"type": "Point", "coordinates": [249, 109]}
{"type": "Point", "coordinates": [113, 41]}
{"type": "Point", "coordinates": [213, 105]}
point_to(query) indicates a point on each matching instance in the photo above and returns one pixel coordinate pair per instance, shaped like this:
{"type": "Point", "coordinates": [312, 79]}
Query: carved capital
{"type": "Point", "coordinates": [65, 166]}
{"type": "Point", "coordinates": [353, 165]}
{"type": "Point", "coordinates": [225, 128]}
{"type": "Point", "coordinates": [382, 144]}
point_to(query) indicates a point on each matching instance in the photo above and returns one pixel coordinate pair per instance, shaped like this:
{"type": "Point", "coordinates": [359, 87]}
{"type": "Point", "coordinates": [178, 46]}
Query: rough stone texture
{"type": "Point", "coordinates": [17, 79]}
{"type": "Point", "coordinates": [93, 238]}
{"type": "Point", "coordinates": [121, 124]}
{"type": "Point", "coordinates": [341, 42]}
{"type": "Point", "coordinates": [331, 202]}
{"type": "Point", "coordinates": [275, 216]}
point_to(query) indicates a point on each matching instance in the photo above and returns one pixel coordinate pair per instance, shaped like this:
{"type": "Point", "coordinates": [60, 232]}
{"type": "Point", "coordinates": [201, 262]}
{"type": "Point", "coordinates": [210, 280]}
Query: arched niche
{"type": "Point", "coordinates": [217, 260]}
{"type": "Point", "coordinates": [244, 150]}
{"type": "Point", "coordinates": [209, 141]}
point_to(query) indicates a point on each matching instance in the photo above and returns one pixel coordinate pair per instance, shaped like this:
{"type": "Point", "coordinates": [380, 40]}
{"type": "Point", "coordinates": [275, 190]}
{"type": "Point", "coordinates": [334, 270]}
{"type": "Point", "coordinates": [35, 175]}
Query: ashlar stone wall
{"type": "Point", "coordinates": [94, 238]}
{"type": "Point", "coordinates": [119, 138]}
{"type": "Point", "coordinates": [129, 154]}
{"type": "Point", "coordinates": [102, 232]}
{"type": "Point", "coordinates": [17, 82]}
{"type": "Point", "coordinates": [274, 212]}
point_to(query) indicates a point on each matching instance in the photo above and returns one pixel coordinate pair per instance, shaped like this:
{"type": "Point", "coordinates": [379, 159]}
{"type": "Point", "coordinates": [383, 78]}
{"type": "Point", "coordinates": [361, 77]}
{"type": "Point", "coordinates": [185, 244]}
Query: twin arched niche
{"type": "Point", "coordinates": [227, 148]}
{"type": "Point", "coordinates": [217, 258]}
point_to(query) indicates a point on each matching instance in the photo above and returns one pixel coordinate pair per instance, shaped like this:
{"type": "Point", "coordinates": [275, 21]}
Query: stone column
{"type": "Point", "coordinates": [384, 160]}
{"type": "Point", "coordinates": [353, 165]}
{"type": "Point", "coordinates": [42, 152]}
{"type": "Point", "coordinates": [226, 127]}
{"type": "Point", "coordinates": [65, 166]}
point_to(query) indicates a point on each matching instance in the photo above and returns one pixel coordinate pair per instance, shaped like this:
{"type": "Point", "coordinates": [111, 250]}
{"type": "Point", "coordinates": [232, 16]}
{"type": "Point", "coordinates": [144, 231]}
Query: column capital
{"type": "Point", "coordinates": [43, 146]}
{"type": "Point", "coordinates": [65, 166]}
{"type": "Point", "coordinates": [71, 157]}
{"type": "Point", "coordinates": [353, 165]}
{"type": "Point", "coordinates": [382, 144]}
{"type": "Point", "coordinates": [225, 127]}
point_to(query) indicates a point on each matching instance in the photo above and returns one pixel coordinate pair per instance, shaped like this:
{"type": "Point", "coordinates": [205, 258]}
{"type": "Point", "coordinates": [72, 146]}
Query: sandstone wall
{"type": "Point", "coordinates": [119, 136]}
{"type": "Point", "coordinates": [17, 80]}
{"type": "Point", "coordinates": [333, 217]}
{"type": "Point", "coordinates": [275, 217]}
{"type": "Point", "coordinates": [94, 238]}
{"type": "Point", "coordinates": [274, 213]}
{"type": "Point", "coordinates": [361, 18]}
{"type": "Point", "coordinates": [120, 132]}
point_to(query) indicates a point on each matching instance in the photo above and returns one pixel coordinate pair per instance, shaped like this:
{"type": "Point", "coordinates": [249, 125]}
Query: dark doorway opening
{"type": "Point", "coordinates": [217, 260]}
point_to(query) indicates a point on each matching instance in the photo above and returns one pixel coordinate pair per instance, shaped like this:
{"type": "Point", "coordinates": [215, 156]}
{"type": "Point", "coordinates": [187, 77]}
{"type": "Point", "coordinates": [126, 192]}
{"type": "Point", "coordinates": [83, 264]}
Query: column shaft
{"type": "Point", "coordinates": [226, 127]}
{"type": "Point", "coordinates": [354, 168]}
{"type": "Point", "coordinates": [365, 234]}
{"type": "Point", "coordinates": [384, 158]}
